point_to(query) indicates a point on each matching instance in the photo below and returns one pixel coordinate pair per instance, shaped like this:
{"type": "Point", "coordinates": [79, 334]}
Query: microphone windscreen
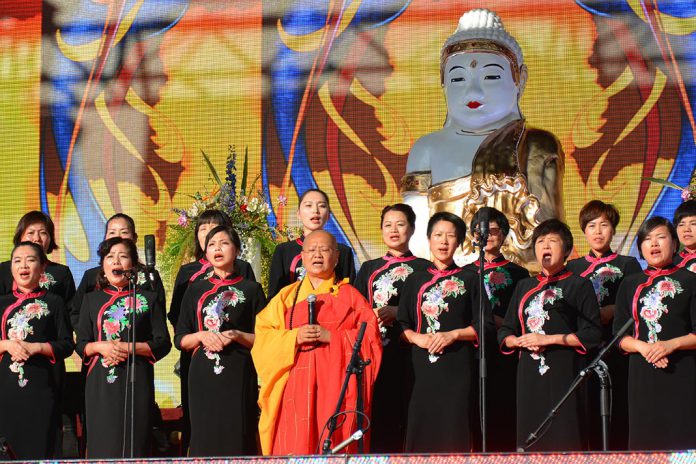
{"type": "Point", "coordinates": [150, 250]}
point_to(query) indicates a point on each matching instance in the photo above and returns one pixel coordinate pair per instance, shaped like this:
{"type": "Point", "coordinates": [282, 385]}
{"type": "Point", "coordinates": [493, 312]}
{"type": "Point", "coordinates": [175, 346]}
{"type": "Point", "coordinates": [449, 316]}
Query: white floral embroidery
{"type": "Point", "coordinates": [20, 329]}
{"type": "Point", "coordinates": [214, 315]}
{"type": "Point", "coordinates": [537, 317]}
{"type": "Point", "coordinates": [654, 308]}
{"type": "Point", "coordinates": [433, 304]}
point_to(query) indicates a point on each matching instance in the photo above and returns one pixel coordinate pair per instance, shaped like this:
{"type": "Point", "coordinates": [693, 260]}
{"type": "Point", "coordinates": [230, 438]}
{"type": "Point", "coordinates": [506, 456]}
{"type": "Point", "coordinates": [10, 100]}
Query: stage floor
{"type": "Point", "coordinates": [679, 457]}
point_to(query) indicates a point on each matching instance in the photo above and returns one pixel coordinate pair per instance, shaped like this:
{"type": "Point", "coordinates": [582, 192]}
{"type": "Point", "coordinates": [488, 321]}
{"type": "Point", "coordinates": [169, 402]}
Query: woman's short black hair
{"type": "Point", "coordinates": [209, 216]}
{"type": "Point", "coordinates": [43, 259]}
{"type": "Point", "coordinates": [651, 224]}
{"type": "Point", "coordinates": [459, 224]}
{"type": "Point", "coordinates": [104, 249]}
{"type": "Point", "coordinates": [686, 209]}
{"type": "Point", "coordinates": [596, 208]}
{"type": "Point", "coordinates": [32, 217]}
{"type": "Point", "coordinates": [493, 215]}
{"type": "Point", "coordinates": [402, 208]}
{"type": "Point", "coordinates": [554, 226]}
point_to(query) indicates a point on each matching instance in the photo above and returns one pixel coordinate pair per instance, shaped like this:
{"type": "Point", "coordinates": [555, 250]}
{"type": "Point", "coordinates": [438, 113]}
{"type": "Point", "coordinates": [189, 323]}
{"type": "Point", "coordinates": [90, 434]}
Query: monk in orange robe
{"type": "Point", "coordinates": [301, 367]}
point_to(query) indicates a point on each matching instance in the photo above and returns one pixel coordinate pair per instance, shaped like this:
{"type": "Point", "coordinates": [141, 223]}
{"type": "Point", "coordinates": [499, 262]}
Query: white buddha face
{"type": "Point", "coordinates": [481, 93]}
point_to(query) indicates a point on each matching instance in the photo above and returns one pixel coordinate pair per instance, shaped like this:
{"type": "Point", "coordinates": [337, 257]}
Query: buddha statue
{"type": "Point", "coordinates": [485, 154]}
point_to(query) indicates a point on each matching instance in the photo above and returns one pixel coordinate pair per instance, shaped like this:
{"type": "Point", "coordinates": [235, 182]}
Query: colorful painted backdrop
{"type": "Point", "coordinates": [106, 104]}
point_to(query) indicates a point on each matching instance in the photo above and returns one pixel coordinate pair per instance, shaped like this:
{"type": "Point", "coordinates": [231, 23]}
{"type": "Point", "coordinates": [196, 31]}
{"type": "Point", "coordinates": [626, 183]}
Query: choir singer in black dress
{"type": "Point", "coordinates": [606, 270]}
{"type": "Point", "coordinates": [438, 312]}
{"type": "Point", "coordinates": [500, 276]}
{"type": "Point", "coordinates": [551, 323]}
{"type": "Point", "coordinates": [35, 334]}
{"type": "Point", "coordinates": [104, 342]}
{"type": "Point", "coordinates": [661, 343]}
{"type": "Point", "coordinates": [381, 281]}
{"type": "Point", "coordinates": [216, 324]}
{"type": "Point", "coordinates": [195, 271]}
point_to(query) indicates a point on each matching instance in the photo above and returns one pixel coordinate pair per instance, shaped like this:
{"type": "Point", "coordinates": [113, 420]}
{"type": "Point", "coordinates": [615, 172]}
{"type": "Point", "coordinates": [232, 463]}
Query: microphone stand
{"type": "Point", "coordinates": [133, 294]}
{"type": "Point", "coordinates": [596, 366]}
{"type": "Point", "coordinates": [355, 366]}
{"type": "Point", "coordinates": [483, 374]}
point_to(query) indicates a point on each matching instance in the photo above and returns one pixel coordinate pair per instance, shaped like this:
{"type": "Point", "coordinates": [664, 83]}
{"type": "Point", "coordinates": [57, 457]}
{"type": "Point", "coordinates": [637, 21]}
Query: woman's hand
{"type": "Point", "coordinates": [533, 341]}
{"type": "Point", "coordinates": [439, 341]}
{"type": "Point", "coordinates": [18, 353]}
{"type": "Point", "coordinates": [420, 340]}
{"type": "Point", "coordinates": [112, 352]}
{"type": "Point", "coordinates": [211, 341]}
{"type": "Point", "coordinates": [655, 353]}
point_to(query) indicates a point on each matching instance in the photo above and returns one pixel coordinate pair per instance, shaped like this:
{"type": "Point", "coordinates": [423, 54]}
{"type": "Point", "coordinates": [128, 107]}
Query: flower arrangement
{"type": "Point", "coordinates": [246, 206]}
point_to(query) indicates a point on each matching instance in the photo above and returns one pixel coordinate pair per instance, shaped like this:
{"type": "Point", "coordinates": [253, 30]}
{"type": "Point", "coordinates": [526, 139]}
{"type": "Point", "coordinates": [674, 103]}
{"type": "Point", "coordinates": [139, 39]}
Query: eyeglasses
{"type": "Point", "coordinates": [320, 250]}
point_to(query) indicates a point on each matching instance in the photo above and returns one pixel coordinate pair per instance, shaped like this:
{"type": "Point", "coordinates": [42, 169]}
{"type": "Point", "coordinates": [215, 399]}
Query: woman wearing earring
{"type": "Point", "coordinates": [286, 265]}
{"type": "Point", "coordinates": [217, 326]}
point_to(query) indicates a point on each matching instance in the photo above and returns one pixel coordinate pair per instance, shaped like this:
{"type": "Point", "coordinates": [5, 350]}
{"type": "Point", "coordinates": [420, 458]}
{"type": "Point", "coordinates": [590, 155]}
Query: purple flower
{"type": "Point", "coordinates": [183, 220]}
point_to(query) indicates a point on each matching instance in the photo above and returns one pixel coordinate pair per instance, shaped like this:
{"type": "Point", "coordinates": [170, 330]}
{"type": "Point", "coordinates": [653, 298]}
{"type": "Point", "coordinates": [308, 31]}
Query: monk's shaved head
{"type": "Point", "coordinates": [320, 237]}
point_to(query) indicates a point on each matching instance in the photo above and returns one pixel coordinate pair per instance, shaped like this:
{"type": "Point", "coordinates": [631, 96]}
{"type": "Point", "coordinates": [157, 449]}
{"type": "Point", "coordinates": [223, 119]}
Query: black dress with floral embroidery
{"type": "Point", "coordinates": [222, 386]}
{"type": "Point", "coordinates": [686, 260]}
{"type": "Point", "coordinates": [381, 281]}
{"type": "Point", "coordinates": [661, 402]}
{"type": "Point", "coordinates": [189, 273]}
{"type": "Point", "coordinates": [560, 304]}
{"type": "Point", "coordinates": [29, 406]}
{"type": "Point", "coordinates": [606, 273]}
{"type": "Point", "coordinates": [500, 278]}
{"type": "Point", "coordinates": [442, 410]}
{"type": "Point", "coordinates": [286, 265]}
{"type": "Point", "coordinates": [105, 315]}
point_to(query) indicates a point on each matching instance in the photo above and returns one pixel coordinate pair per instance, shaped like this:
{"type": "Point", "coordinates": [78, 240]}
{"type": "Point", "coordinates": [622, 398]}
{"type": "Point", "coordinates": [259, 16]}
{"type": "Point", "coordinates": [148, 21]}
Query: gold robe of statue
{"type": "Point", "coordinates": [517, 170]}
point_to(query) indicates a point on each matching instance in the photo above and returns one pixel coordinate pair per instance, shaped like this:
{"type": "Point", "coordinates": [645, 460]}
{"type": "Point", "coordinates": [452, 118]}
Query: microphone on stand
{"type": "Point", "coordinates": [150, 258]}
{"type": "Point", "coordinates": [355, 437]}
{"type": "Point", "coordinates": [311, 309]}
{"type": "Point", "coordinates": [482, 227]}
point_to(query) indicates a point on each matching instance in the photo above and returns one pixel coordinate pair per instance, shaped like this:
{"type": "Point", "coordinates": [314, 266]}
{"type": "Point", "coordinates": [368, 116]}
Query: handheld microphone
{"type": "Point", "coordinates": [150, 258]}
{"type": "Point", "coordinates": [311, 309]}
